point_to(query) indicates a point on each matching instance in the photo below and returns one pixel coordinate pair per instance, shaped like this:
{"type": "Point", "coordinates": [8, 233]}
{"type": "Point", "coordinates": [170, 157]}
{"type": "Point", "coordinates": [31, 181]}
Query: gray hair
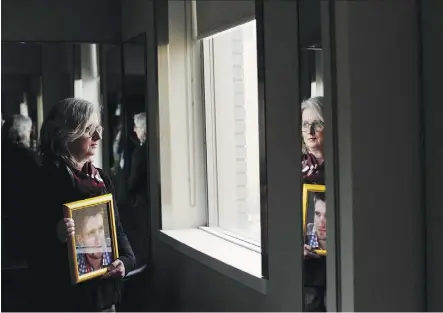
{"type": "Point", "coordinates": [140, 122]}
{"type": "Point", "coordinates": [66, 122]}
{"type": "Point", "coordinates": [19, 129]}
{"type": "Point", "coordinates": [316, 105]}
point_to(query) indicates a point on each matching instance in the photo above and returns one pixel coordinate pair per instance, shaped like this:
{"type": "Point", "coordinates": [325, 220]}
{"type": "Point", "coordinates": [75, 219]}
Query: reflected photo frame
{"type": "Point", "coordinates": [94, 245]}
{"type": "Point", "coordinates": [314, 217]}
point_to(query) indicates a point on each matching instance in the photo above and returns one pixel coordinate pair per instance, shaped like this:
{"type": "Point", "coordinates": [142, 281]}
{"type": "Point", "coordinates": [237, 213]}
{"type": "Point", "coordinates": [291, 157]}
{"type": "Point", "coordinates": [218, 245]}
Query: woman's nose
{"type": "Point", "coordinates": [97, 136]}
{"type": "Point", "coordinates": [312, 129]}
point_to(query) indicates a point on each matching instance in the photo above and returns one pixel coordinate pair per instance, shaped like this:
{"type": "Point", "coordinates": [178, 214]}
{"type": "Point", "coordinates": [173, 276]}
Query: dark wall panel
{"type": "Point", "coordinates": [54, 20]}
{"type": "Point", "coordinates": [379, 148]}
{"type": "Point", "coordinates": [432, 40]}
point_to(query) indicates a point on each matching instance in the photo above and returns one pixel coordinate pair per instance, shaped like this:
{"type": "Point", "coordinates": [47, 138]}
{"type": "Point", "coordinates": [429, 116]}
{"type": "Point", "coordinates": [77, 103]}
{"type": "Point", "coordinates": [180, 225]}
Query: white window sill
{"type": "Point", "coordinates": [228, 258]}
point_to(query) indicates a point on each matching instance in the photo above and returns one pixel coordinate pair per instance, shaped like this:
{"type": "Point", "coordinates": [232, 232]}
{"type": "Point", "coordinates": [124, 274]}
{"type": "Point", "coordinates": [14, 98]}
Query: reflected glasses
{"type": "Point", "coordinates": [317, 125]}
{"type": "Point", "coordinates": [91, 130]}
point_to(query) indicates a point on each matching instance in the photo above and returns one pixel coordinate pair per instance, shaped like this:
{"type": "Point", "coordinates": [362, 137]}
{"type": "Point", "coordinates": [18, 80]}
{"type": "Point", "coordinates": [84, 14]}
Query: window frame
{"type": "Point", "coordinates": [208, 105]}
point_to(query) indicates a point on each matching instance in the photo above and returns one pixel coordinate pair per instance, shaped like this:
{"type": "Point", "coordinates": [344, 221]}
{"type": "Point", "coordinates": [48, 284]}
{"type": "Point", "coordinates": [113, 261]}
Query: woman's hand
{"type": "Point", "coordinates": [65, 229]}
{"type": "Point", "coordinates": [308, 252]}
{"type": "Point", "coordinates": [117, 269]}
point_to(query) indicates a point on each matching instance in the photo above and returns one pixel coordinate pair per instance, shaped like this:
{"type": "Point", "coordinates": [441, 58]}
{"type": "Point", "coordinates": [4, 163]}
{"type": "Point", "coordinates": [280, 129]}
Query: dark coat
{"type": "Point", "coordinates": [138, 174]}
{"type": "Point", "coordinates": [49, 257]}
{"type": "Point", "coordinates": [137, 212]}
{"type": "Point", "coordinates": [19, 167]}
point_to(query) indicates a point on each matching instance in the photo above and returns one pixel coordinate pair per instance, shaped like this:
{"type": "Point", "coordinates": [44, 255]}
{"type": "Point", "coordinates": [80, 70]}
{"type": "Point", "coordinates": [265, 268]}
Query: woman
{"type": "Point", "coordinates": [137, 178]}
{"type": "Point", "coordinates": [69, 139]}
{"type": "Point", "coordinates": [313, 141]}
{"type": "Point", "coordinates": [138, 213]}
{"type": "Point", "coordinates": [18, 161]}
{"type": "Point", "coordinates": [313, 173]}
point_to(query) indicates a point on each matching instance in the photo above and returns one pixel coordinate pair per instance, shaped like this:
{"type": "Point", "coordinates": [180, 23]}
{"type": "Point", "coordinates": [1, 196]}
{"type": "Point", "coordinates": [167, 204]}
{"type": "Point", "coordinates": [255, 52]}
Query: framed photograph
{"type": "Point", "coordinates": [314, 217]}
{"type": "Point", "coordinates": [94, 245]}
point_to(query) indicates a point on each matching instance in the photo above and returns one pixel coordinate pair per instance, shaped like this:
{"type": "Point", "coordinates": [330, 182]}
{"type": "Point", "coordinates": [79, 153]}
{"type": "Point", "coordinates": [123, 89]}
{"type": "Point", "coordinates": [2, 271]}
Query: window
{"type": "Point", "coordinates": [231, 128]}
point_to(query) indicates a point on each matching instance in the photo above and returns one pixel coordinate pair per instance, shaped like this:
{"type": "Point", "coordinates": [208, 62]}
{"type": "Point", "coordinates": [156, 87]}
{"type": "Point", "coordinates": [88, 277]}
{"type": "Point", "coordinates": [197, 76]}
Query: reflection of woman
{"type": "Point", "coordinates": [137, 178]}
{"type": "Point", "coordinates": [312, 132]}
{"type": "Point", "coordinates": [137, 203]}
{"type": "Point", "coordinates": [312, 165]}
{"type": "Point", "coordinates": [18, 161]}
{"type": "Point", "coordinates": [69, 138]}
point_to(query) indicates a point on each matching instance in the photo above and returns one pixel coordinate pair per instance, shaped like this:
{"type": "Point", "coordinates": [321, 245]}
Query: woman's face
{"type": "Point", "coordinates": [139, 131]}
{"type": "Point", "coordinates": [312, 130]}
{"type": "Point", "coordinates": [85, 147]}
{"type": "Point", "coordinates": [27, 140]}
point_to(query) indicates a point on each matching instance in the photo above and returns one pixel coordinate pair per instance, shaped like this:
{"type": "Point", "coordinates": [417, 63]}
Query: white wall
{"type": "Point", "coordinates": [232, 130]}
{"type": "Point", "coordinates": [252, 137]}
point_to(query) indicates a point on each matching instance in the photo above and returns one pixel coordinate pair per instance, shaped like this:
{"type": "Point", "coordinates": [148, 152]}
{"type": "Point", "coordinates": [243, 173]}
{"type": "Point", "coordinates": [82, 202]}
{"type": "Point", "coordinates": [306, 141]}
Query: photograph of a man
{"type": "Point", "coordinates": [316, 229]}
{"type": "Point", "coordinates": [92, 239]}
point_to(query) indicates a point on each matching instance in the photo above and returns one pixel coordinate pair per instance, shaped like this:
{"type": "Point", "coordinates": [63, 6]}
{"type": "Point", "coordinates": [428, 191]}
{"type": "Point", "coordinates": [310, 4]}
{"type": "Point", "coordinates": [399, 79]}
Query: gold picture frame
{"type": "Point", "coordinates": [307, 204]}
{"type": "Point", "coordinates": [94, 244]}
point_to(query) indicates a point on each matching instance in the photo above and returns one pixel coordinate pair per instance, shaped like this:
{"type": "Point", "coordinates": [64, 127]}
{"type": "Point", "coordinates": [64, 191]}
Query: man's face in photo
{"type": "Point", "coordinates": [320, 219]}
{"type": "Point", "coordinates": [93, 235]}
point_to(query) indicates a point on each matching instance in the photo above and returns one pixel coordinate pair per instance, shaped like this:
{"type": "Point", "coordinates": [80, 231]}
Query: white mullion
{"type": "Point", "coordinates": [211, 139]}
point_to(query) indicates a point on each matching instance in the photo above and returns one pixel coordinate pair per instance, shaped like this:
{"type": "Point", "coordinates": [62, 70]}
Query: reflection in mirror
{"type": "Point", "coordinates": [112, 96]}
{"type": "Point", "coordinates": [133, 170]}
{"type": "Point", "coordinates": [35, 76]}
{"type": "Point", "coordinates": [313, 161]}
{"type": "Point", "coordinates": [87, 81]}
{"type": "Point", "coordinates": [21, 83]}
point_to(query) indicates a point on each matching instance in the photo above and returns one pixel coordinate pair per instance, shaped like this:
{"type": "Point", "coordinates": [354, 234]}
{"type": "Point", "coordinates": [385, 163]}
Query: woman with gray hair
{"type": "Point", "coordinates": [69, 139]}
{"type": "Point", "coordinates": [313, 172]}
{"type": "Point", "coordinates": [312, 128]}
{"type": "Point", "coordinates": [140, 126]}
{"type": "Point", "coordinates": [136, 204]}
{"type": "Point", "coordinates": [18, 129]}
{"type": "Point", "coordinates": [19, 167]}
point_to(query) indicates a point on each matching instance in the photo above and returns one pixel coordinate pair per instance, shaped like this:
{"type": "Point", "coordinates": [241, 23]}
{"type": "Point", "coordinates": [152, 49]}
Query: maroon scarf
{"type": "Point", "coordinates": [88, 177]}
{"type": "Point", "coordinates": [312, 171]}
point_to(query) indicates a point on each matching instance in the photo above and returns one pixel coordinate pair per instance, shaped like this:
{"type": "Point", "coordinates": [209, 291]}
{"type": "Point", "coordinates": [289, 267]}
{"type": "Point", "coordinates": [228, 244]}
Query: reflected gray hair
{"type": "Point", "coordinates": [66, 122]}
{"type": "Point", "coordinates": [316, 105]}
{"type": "Point", "coordinates": [140, 122]}
{"type": "Point", "coordinates": [20, 128]}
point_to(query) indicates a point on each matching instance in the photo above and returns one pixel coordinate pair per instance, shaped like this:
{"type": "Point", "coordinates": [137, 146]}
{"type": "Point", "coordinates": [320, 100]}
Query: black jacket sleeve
{"type": "Point", "coordinates": [124, 247]}
{"type": "Point", "coordinates": [137, 175]}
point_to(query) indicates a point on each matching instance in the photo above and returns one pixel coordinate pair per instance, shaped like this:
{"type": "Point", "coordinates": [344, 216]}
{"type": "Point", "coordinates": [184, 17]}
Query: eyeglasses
{"type": "Point", "coordinates": [317, 125]}
{"type": "Point", "coordinates": [91, 130]}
